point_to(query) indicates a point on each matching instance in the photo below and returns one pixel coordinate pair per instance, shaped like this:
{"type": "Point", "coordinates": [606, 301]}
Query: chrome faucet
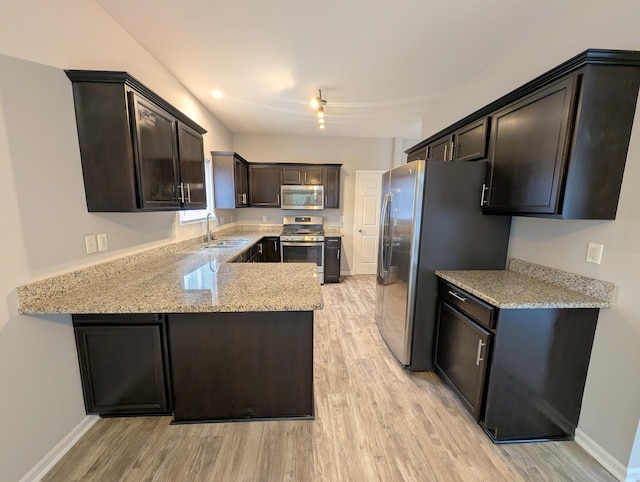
{"type": "Point", "coordinates": [213, 216]}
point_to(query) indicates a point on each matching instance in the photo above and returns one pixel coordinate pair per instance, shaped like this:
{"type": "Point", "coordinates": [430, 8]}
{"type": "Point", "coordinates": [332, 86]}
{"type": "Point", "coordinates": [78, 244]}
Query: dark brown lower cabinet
{"type": "Point", "coordinates": [332, 251]}
{"type": "Point", "coordinates": [123, 363]}
{"type": "Point", "coordinates": [520, 372]}
{"type": "Point", "coordinates": [270, 249]}
{"type": "Point", "coordinates": [460, 355]}
{"type": "Point", "coordinates": [242, 366]}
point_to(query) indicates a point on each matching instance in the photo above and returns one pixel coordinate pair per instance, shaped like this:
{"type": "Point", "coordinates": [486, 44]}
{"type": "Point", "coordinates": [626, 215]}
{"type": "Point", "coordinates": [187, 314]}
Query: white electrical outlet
{"type": "Point", "coordinates": [103, 244]}
{"type": "Point", "coordinates": [174, 230]}
{"type": "Point", "coordinates": [264, 219]}
{"type": "Point", "coordinates": [594, 253]}
{"type": "Point", "coordinates": [90, 243]}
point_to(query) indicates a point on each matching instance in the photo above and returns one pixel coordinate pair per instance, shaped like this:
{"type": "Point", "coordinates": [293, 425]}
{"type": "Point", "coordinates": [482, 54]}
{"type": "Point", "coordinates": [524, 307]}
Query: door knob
{"type": "Point", "coordinates": [361, 230]}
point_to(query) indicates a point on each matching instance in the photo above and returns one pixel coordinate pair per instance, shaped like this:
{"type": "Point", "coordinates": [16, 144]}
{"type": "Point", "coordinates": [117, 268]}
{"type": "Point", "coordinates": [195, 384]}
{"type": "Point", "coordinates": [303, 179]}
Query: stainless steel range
{"type": "Point", "coordinates": [302, 241]}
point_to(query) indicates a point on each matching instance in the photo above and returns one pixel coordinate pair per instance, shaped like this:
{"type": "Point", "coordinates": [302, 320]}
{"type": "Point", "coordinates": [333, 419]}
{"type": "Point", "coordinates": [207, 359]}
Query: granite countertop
{"type": "Point", "coordinates": [192, 278]}
{"type": "Point", "coordinates": [527, 285]}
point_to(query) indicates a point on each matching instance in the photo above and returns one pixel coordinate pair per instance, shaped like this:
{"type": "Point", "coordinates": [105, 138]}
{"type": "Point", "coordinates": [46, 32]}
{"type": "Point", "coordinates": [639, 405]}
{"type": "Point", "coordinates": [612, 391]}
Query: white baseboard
{"type": "Point", "coordinates": [57, 452]}
{"type": "Point", "coordinates": [617, 469]}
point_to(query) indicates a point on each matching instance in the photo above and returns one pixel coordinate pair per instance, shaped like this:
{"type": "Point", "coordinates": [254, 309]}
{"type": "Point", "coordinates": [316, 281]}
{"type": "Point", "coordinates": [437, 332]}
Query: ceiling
{"type": "Point", "coordinates": [379, 64]}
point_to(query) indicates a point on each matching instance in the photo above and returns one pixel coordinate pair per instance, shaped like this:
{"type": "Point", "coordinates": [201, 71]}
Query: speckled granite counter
{"type": "Point", "coordinates": [183, 278]}
{"type": "Point", "coordinates": [528, 285]}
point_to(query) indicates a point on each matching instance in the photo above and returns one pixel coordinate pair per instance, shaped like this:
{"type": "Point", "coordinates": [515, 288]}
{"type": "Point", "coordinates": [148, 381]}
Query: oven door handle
{"type": "Point", "coordinates": [302, 244]}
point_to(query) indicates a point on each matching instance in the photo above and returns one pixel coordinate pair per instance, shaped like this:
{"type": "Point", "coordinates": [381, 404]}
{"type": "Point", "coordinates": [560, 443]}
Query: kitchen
{"type": "Point", "coordinates": [46, 216]}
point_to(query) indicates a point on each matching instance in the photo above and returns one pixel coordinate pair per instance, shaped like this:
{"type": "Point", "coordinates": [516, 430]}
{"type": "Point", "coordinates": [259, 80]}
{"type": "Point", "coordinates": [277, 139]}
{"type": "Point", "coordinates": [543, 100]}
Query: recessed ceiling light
{"type": "Point", "coordinates": [216, 94]}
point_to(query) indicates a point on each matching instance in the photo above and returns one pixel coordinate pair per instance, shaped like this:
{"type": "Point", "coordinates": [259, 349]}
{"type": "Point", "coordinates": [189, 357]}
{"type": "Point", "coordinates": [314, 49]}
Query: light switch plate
{"type": "Point", "coordinates": [90, 243]}
{"type": "Point", "coordinates": [103, 244]}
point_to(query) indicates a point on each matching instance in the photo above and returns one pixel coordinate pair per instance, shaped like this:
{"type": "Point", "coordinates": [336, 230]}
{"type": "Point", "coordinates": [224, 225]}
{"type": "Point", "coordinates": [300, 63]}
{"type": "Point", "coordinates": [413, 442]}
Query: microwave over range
{"type": "Point", "coordinates": [301, 197]}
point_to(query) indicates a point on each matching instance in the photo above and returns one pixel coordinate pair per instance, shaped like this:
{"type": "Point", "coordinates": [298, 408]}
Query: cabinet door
{"type": "Point", "coordinates": [460, 355]}
{"type": "Point", "coordinates": [191, 155]}
{"type": "Point", "coordinates": [264, 186]}
{"type": "Point", "coordinates": [292, 175]}
{"type": "Point", "coordinates": [155, 149]}
{"type": "Point", "coordinates": [313, 175]}
{"type": "Point", "coordinates": [440, 150]}
{"type": "Point", "coordinates": [420, 154]}
{"type": "Point", "coordinates": [270, 249]}
{"type": "Point", "coordinates": [332, 187]}
{"type": "Point", "coordinates": [527, 151]}
{"type": "Point", "coordinates": [332, 259]}
{"type": "Point", "coordinates": [470, 142]}
{"type": "Point", "coordinates": [241, 179]}
{"type": "Point", "coordinates": [123, 367]}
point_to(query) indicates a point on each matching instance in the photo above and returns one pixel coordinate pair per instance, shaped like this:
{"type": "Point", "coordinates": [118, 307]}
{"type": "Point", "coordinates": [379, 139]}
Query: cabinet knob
{"type": "Point", "coordinates": [361, 230]}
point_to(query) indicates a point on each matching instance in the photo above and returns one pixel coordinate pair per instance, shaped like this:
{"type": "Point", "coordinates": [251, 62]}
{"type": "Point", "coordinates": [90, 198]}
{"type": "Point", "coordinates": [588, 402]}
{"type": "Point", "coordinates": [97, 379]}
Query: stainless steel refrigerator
{"type": "Point", "coordinates": [430, 219]}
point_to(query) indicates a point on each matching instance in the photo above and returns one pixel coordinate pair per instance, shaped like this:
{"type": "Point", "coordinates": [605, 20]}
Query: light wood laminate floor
{"type": "Point", "coordinates": [375, 421]}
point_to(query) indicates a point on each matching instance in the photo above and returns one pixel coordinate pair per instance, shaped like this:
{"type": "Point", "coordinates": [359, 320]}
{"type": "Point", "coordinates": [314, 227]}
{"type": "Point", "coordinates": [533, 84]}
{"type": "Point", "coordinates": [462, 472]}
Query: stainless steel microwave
{"type": "Point", "coordinates": [301, 197]}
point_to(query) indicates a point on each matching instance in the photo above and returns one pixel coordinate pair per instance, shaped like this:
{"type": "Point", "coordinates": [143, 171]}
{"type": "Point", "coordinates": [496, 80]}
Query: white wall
{"type": "Point", "coordinates": [611, 407]}
{"type": "Point", "coordinates": [352, 153]}
{"type": "Point", "coordinates": [43, 208]}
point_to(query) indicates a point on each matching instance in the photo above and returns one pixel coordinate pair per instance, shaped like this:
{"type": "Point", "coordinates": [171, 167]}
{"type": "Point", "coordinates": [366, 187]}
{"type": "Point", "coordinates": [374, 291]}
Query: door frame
{"type": "Point", "coordinates": [356, 205]}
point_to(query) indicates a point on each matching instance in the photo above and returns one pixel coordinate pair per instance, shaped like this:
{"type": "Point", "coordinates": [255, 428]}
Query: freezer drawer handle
{"type": "Point", "coordinates": [478, 359]}
{"type": "Point", "coordinates": [456, 295]}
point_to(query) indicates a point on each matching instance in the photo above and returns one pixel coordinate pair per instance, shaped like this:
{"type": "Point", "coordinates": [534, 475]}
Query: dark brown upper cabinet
{"type": "Point", "coordinates": [230, 180]}
{"type": "Point", "coordinates": [528, 146]}
{"type": "Point", "coordinates": [264, 185]}
{"type": "Point", "coordinates": [558, 144]}
{"type": "Point", "coordinates": [420, 154]}
{"type": "Point", "coordinates": [303, 174]}
{"type": "Point", "coordinates": [139, 153]}
{"type": "Point", "coordinates": [468, 143]}
{"type": "Point", "coordinates": [332, 187]}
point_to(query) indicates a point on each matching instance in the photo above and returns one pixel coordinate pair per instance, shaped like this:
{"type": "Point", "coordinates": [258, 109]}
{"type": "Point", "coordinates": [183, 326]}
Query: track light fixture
{"type": "Point", "coordinates": [319, 103]}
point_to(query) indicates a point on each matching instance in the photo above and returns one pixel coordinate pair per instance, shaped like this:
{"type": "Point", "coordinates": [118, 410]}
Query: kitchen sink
{"type": "Point", "coordinates": [227, 243]}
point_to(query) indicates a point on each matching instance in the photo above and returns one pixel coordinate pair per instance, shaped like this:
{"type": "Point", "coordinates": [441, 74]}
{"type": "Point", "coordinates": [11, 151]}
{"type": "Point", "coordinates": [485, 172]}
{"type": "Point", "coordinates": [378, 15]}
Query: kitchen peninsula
{"type": "Point", "coordinates": [179, 330]}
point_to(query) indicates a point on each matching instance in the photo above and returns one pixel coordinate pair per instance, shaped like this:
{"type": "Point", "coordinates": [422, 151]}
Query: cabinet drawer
{"type": "Point", "coordinates": [477, 309]}
{"type": "Point", "coordinates": [332, 242]}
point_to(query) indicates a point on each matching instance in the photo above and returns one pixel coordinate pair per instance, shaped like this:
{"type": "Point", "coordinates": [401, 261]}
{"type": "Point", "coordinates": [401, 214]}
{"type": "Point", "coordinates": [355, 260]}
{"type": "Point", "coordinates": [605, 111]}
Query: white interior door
{"type": "Point", "coordinates": [367, 221]}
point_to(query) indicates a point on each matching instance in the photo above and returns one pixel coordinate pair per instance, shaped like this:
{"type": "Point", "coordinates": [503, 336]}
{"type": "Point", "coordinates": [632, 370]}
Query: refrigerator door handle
{"type": "Point", "coordinates": [389, 236]}
{"type": "Point", "coordinates": [382, 262]}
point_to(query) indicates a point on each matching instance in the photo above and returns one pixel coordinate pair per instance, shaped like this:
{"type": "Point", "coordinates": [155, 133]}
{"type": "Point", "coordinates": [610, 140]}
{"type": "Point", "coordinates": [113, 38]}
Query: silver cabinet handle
{"type": "Point", "coordinates": [453, 148]}
{"type": "Point", "coordinates": [338, 255]}
{"type": "Point", "coordinates": [278, 199]}
{"type": "Point", "coordinates": [244, 198]}
{"type": "Point", "coordinates": [181, 187]}
{"type": "Point", "coordinates": [260, 248]}
{"type": "Point", "coordinates": [456, 295]}
{"type": "Point", "coordinates": [446, 151]}
{"type": "Point", "coordinates": [478, 359]}
{"type": "Point", "coordinates": [275, 246]}
{"type": "Point", "coordinates": [188, 193]}
{"type": "Point", "coordinates": [484, 201]}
